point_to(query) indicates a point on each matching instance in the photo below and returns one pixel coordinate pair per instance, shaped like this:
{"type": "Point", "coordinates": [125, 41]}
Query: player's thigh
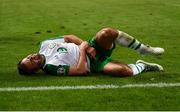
{"type": "Point", "coordinates": [106, 37]}
{"type": "Point", "coordinates": [117, 69]}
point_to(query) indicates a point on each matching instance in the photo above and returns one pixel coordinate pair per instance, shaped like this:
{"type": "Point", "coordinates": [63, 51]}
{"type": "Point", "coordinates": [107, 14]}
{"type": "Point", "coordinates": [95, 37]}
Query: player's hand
{"type": "Point", "coordinates": [84, 45]}
{"type": "Point", "coordinates": [92, 52]}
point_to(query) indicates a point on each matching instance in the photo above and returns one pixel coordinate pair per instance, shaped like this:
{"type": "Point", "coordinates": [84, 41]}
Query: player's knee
{"type": "Point", "coordinates": [107, 33]}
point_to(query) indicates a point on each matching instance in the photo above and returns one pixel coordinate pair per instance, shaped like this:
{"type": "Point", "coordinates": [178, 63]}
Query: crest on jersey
{"type": "Point", "coordinates": [52, 45]}
{"type": "Point", "coordinates": [61, 71]}
{"type": "Point", "coordinates": [62, 50]}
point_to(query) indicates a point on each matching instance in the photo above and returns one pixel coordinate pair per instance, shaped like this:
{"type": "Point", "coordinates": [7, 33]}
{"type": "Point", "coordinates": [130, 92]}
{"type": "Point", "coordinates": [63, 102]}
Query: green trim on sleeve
{"type": "Point", "coordinates": [57, 70]}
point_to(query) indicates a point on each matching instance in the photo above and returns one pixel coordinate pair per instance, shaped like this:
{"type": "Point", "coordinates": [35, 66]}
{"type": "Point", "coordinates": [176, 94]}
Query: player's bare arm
{"type": "Point", "coordinates": [81, 67]}
{"type": "Point", "coordinates": [74, 39]}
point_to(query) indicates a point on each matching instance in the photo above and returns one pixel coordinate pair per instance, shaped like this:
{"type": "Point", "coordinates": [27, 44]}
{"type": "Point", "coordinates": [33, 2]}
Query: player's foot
{"type": "Point", "coordinates": [146, 49]}
{"type": "Point", "coordinates": [150, 66]}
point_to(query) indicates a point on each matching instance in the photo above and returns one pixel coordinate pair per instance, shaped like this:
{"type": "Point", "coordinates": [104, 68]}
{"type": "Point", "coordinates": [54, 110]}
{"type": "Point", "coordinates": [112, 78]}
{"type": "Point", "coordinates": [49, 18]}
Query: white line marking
{"type": "Point", "coordinates": [151, 85]}
{"type": "Point", "coordinates": [43, 88]}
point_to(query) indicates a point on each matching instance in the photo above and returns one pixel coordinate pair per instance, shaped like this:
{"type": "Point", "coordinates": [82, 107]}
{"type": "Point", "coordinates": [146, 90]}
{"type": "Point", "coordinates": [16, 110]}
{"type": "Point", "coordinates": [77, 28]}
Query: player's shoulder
{"type": "Point", "coordinates": [54, 39]}
{"type": "Point", "coordinates": [59, 39]}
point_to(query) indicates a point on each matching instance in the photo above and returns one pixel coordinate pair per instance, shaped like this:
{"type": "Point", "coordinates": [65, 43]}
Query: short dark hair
{"type": "Point", "coordinates": [22, 69]}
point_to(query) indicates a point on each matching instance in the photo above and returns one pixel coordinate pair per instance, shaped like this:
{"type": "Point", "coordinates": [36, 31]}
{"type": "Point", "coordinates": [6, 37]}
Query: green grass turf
{"type": "Point", "coordinates": [25, 23]}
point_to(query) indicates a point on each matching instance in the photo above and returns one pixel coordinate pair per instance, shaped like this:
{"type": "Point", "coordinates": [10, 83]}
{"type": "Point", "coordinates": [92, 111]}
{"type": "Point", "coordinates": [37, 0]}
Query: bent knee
{"type": "Point", "coordinates": [107, 33]}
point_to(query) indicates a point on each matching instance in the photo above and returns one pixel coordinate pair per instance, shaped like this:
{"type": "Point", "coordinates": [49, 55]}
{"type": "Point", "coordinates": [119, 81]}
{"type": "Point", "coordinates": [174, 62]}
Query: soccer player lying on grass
{"type": "Point", "coordinates": [70, 55]}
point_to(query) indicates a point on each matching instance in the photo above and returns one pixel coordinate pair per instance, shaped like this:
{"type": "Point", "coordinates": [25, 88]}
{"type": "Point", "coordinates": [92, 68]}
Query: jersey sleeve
{"type": "Point", "coordinates": [57, 70]}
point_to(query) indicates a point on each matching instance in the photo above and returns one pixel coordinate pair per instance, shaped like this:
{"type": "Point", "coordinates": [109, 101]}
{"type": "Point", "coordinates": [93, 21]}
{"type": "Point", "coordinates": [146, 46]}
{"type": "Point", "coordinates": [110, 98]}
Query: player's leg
{"type": "Point", "coordinates": [127, 40]}
{"type": "Point", "coordinates": [117, 69]}
{"type": "Point", "coordinates": [106, 37]}
{"type": "Point", "coordinates": [123, 70]}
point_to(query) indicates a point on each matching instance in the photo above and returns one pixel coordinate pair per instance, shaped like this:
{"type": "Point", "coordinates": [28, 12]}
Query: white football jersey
{"type": "Point", "coordinates": [59, 55]}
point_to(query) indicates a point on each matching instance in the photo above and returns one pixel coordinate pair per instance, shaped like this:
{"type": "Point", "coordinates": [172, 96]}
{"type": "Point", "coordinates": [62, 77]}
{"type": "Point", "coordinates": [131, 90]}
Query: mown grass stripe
{"type": "Point", "coordinates": [43, 88]}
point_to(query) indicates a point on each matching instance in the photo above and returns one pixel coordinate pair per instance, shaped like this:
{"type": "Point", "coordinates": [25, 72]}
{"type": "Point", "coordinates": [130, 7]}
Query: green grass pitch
{"type": "Point", "coordinates": [25, 23]}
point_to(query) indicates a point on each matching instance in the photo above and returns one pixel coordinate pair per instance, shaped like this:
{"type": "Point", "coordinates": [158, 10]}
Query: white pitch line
{"type": "Point", "coordinates": [43, 88]}
{"type": "Point", "coordinates": [151, 85]}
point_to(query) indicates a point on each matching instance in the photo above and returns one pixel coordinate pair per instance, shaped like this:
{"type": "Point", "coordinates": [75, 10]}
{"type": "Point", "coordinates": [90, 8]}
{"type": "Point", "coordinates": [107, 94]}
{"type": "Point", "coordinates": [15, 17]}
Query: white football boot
{"type": "Point", "coordinates": [146, 49]}
{"type": "Point", "coordinates": [151, 66]}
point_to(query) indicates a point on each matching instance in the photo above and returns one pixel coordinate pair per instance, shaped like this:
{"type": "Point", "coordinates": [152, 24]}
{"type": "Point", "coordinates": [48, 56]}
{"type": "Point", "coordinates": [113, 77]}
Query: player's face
{"type": "Point", "coordinates": [33, 62]}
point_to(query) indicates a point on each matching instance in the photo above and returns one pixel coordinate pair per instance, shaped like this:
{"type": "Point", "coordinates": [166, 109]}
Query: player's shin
{"type": "Point", "coordinates": [126, 40]}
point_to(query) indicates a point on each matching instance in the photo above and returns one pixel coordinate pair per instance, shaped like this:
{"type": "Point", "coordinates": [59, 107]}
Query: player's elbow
{"type": "Point", "coordinates": [79, 73]}
{"type": "Point", "coordinates": [82, 72]}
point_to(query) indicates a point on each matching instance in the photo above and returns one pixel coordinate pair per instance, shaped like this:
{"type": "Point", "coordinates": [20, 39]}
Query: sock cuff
{"type": "Point", "coordinates": [135, 44]}
{"type": "Point", "coordinates": [137, 68]}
